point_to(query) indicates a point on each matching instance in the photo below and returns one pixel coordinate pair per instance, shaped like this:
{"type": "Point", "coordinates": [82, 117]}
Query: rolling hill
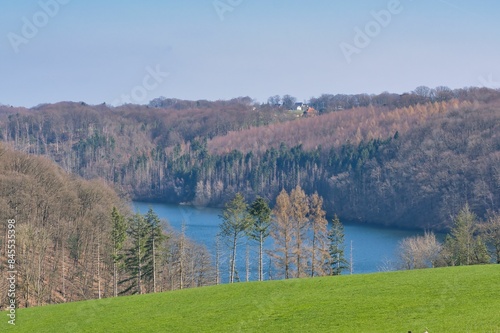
{"type": "Point", "coordinates": [457, 299]}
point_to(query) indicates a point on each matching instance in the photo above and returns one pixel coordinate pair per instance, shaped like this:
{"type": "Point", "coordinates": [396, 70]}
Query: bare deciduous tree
{"type": "Point", "coordinates": [319, 242]}
{"type": "Point", "coordinates": [282, 234]}
{"type": "Point", "coordinates": [299, 215]}
{"type": "Point", "coordinates": [419, 251]}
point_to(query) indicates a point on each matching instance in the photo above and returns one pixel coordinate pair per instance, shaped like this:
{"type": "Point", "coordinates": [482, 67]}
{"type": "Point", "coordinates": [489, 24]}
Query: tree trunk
{"type": "Point", "coordinates": [299, 249]}
{"type": "Point", "coordinates": [351, 264]}
{"type": "Point", "coordinates": [154, 266]}
{"type": "Point", "coordinates": [115, 279]}
{"type": "Point", "coordinates": [287, 268]}
{"type": "Point", "coordinates": [62, 273]}
{"type": "Point", "coordinates": [139, 270]}
{"type": "Point", "coordinates": [313, 254]}
{"type": "Point", "coordinates": [182, 256]}
{"type": "Point", "coordinates": [261, 241]}
{"type": "Point", "coordinates": [233, 261]}
{"type": "Point", "coordinates": [248, 263]}
{"type": "Point", "coordinates": [217, 260]}
{"type": "Point", "coordinates": [98, 269]}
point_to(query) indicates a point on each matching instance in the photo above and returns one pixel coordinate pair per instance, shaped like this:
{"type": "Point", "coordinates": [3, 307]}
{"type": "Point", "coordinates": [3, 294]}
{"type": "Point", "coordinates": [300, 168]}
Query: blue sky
{"type": "Point", "coordinates": [105, 51]}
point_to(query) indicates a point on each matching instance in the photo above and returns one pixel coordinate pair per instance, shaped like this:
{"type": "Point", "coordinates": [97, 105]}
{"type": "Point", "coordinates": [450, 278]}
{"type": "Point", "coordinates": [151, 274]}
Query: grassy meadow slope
{"type": "Point", "coordinates": [458, 299]}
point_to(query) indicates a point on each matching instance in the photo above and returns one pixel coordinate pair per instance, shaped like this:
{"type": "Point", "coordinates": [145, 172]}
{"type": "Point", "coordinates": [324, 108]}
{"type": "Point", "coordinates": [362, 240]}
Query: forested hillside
{"type": "Point", "coordinates": [71, 238]}
{"type": "Point", "coordinates": [332, 129]}
{"type": "Point", "coordinates": [411, 160]}
{"type": "Point", "coordinates": [59, 222]}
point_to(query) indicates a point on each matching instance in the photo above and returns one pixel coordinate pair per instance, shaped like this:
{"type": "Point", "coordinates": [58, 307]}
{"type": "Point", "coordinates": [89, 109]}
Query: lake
{"type": "Point", "coordinates": [373, 248]}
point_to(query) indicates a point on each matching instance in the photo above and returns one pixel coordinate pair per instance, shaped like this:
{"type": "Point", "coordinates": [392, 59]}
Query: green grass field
{"type": "Point", "coordinates": [462, 299]}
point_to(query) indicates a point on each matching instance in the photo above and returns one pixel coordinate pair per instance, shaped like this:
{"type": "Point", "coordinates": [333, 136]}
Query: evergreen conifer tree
{"type": "Point", "coordinates": [259, 229]}
{"type": "Point", "coordinates": [337, 261]}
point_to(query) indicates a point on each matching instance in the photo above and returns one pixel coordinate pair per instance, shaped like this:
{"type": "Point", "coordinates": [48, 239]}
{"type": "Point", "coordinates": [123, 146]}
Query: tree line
{"type": "Point", "coordinates": [303, 245]}
{"type": "Point", "coordinates": [421, 95]}
{"type": "Point", "coordinates": [469, 242]}
{"type": "Point", "coordinates": [151, 259]}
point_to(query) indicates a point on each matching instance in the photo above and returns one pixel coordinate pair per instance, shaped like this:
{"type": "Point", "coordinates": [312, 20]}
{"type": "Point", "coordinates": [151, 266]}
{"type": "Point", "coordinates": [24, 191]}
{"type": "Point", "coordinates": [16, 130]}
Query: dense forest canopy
{"type": "Point", "coordinates": [410, 160]}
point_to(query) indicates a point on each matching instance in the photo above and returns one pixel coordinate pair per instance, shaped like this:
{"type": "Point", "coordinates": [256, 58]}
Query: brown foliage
{"type": "Point", "coordinates": [332, 129]}
{"type": "Point", "coordinates": [429, 173]}
{"type": "Point", "coordinates": [59, 221]}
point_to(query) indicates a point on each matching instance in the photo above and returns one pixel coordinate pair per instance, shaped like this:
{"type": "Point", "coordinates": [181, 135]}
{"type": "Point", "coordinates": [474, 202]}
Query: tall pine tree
{"type": "Point", "coordinates": [146, 236]}
{"type": "Point", "coordinates": [259, 229]}
{"type": "Point", "coordinates": [337, 262]}
{"type": "Point", "coordinates": [155, 239]}
{"type": "Point", "coordinates": [235, 222]}
{"type": "Point", "coordinates": [135, 257]}
{"type": "Point", "coordinates": [118, 237]}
